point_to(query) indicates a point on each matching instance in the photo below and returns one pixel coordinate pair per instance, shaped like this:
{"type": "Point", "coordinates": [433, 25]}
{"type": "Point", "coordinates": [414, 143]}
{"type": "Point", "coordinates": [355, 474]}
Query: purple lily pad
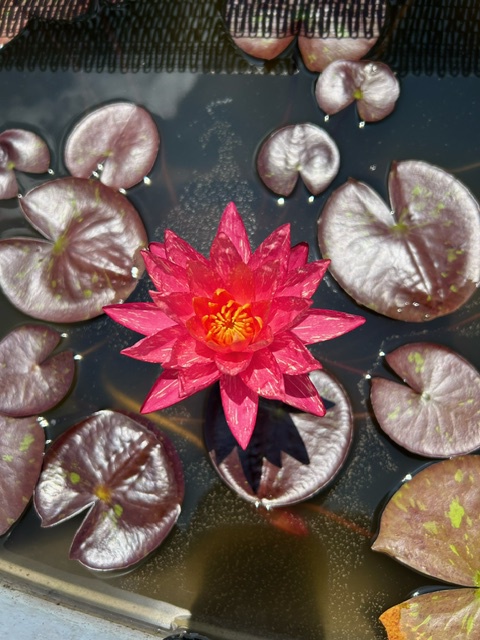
{"type": "Point", "coordinates": [443, 615]}
{"type": "Point", "coordinates": [420, 263]}
{"type": "Point", "coordinates": [129, 478]}
{"type": "Point", "coordinates": [291, 455]}
{"type": "Point", "coordinates": [436, 413]}
{"type": "Point", "coordinates": [318, 53]}
{"type": "Point", "coordinates": [263, 48]}
{"type": "Point", "coordinates": [20, 150]}
{"type": "Point", "coordinates": [298, 149]}
{"type": "Point", "coordinates": [22, 442]}
{"type": "Point", "coordinates": [31, 379]}
{"type": "Point", "coordinates": [119, 142]}
{"type": "Point", "coordinates": [431, 523]}
{"type": "Point", "coordinates": [90, 257]}
{"type": "Point", "coordinates": [371, 84]}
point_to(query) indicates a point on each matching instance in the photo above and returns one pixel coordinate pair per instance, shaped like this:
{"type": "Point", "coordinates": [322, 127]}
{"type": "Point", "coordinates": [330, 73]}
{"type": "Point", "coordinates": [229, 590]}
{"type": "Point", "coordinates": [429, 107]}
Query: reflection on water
{"type": "Point", "coordinates": [226, 562]}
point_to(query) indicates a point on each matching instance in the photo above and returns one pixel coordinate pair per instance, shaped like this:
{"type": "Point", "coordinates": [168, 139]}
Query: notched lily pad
{"type": "Point", "coordinates": [20, 150]}
{"type": "Point", "coordinates": [442, 615]}
{"type": "Point", "coordinates": [420, 263]}
{"type": "Point", "coordinates": [436, 412]}
{"type": "Point", "coordinates": [119, 142]}
{"type": "Point", "coordinates": [432, 523]}
{"type": "Point", "coordinates": [372, 85]}
{"type": "Point", "coordinates": [127, 475]}
{"type": "Point", "coordinates": [32, 380]}
{"type": "Point", "coordinates": [298, 149]}
{"type": "Point", "coordinates": [291, 455]}
{"type": "Point", "coordinates": [90, 256]}
{"type": "Point", "coordinates": [22, 442]}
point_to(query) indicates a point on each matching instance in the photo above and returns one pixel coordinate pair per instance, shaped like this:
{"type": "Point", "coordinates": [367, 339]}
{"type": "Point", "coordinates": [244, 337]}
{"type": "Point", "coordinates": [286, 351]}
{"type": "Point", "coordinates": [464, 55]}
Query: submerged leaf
{"type": "Point", "coordinates": [291, 455]}
{"type": "Point", "coordinates": [32, 380]}
{"type": "Point", "coordinates": [20, 150]}
{"type": "Point", "coordinates": [119, 141]}
{"type": "Point", "coordinates": [299, 149]}
{"type": "Point", "coordinates": [450, 614]}
{"type": "Point", "coordinates": [417, 264]}
{"type": "Point", "coordinates": [371, 84]}
{"type": "Point", "coordinates": [437, 412]}
{"type": "Point", "coordinates": [22, 442]}
{"type": "Point", "coordinates": [432, 523]}
{"type": "Point", "coordinates": [90, 257]}
{"type": "Point", "coordinates": [127, 475]}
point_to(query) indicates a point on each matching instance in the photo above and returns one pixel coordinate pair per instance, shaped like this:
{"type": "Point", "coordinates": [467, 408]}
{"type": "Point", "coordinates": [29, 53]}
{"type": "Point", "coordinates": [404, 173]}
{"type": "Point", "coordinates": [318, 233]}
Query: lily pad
{"type": "Point", "coordinates": [298, 149]}
{"type": "Point", "coordinates": [437, 412]}
{"type": "Point", "coordinates": [432, 522]}
{"type": "Point", "coordinates": [263, 48]}
{"type": "Point", "coordinates": [443, 615]}
{"type": "Point", "coordinates": [318, 53]}
{"type": "Point", "coordinates": [420, 262]}
{"type": "Point", "coordinates": [22, 442]}
{"type": "Point", "coordinates": [291, 455]}
{"type": "Point", "coordinates": [119, 142]}
{"type": "Point", "coordinates": [33, 380]}
{"type": "Point", "coordinates": [90, 256]}
{"type": "Point", "coordinates": [372, 85]}
{"type": "Point", "coordinates": [20, 150]}
{"type": "Point", "coordinates": [127, 475]}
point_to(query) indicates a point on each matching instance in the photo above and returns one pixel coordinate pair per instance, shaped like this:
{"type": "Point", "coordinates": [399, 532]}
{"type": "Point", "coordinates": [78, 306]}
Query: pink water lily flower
{"type": "Point", "coordinates": [240, 317]}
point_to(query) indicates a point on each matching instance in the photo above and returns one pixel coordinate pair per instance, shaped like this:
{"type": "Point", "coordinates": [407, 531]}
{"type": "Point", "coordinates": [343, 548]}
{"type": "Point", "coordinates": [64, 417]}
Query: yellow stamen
{"type": "Point", "coordinates": [229, 322]}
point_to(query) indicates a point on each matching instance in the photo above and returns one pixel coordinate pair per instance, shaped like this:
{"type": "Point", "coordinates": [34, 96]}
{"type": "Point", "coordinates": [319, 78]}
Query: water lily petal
{"type": "Point", "coordinates": [275, 247]}
{"type": "Point", "coordinates": [186, 352]}
{"type": "Point", "coordinates": [242, 283]}
{"type": "Point", "coordinates": [156, 347]}
{"type": "Point", "coordinates": [176, 305]}
{"type": "Point", "coordinates": [240, 405]}
{"type": "Point", "coordinates": [319, 325]}
{"type": "Point", "coordinates": [164, 393]}
{"type": "Point", "coordinates": [285, 311]}
{"type": "Point", "coordinates": [267, 278]}
{"type": "Point", "coordinates": [158, 249]}
{"type": "Point", "coordinates": [197, 377]}
{"type": "Point", "coordinates": [263, 375]}
{"type": "Point", "coordinates": [298, 256]}
{"type": "Point", "coordinates": [300, 392]}
{"type": "Point", "coordinates": [166, 276]}
{"type": "Point", "coordinates": [142, 317]}
{"type": "Point", "coordinates": [224, 256]}
{"type": "Point", "coordinates": [181, 252]}
{"type": "Point", "coordinates": [303, 282]}
{"type": "Point", "coordinates": [233, 363]}
{"type": "Point", "coordinates": [201, 280]}
{"type": "Point", "coordinates": [231, 224]}
{"type": "Point", "coordinates": [291, 356]}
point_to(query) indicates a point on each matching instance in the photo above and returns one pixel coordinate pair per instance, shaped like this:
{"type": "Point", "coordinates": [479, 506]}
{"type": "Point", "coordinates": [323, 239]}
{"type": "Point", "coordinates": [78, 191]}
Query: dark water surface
{"type": "Point", "coordinates": [238, 575]}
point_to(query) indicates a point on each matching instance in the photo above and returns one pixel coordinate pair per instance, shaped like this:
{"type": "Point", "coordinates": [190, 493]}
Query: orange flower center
{"type": "Point", "coordinates": [229, 322]}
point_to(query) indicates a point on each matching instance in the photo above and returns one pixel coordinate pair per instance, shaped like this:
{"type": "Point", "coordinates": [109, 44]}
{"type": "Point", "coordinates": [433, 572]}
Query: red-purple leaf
{"type": "Point", "coordinates": [291, 455]}
{"type": "Point", "coordinates": [318, 53]}
{"type": "Point", "coordinates": [31, 379]}
{"type": "Point", "coordinates": [437, 412]}
{"type": "Point", "coordinates": [128, 477]}
{"type": "Point", "coordinates": [451, 614]}
{"type": "Point", "coordinates": [432, 523]}
{"type": "Point", "coordinates": [300, 149]}
{"type": "Point", "coordinates": [371, 84]}
{"type": "Point", "coordinates": [22, 442]}
{"type": "Point", "coordinates": [263, 48]}
{"type": "Point", "coordinates": [90, 258]}
{"type": "Point", "coordinates": [21, 151]}
{"type": "Point", "coordinates": [119, 141]}
{"type": "Point", "coordinates": [417, 264]}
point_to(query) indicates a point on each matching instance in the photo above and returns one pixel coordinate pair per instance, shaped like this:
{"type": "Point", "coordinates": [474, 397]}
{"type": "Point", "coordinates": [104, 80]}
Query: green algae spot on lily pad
{"type": "Point", "coordinates": [436, 413]}
{"type": "Point", "coordinates": [440, 615]}
{"type": "Point", "coordinates": [415, 260]}
{"type": "Point", "coordinates": [119, 141]}
{"type": "Point", "coordinates": [89, 255]}
{"type": "Point", "coordinates": [292, 455]}
{"type": "Point", "coordinates": [32, 378]}
{"type": "Point", "coordinates": [128, 478]}
{"type": "Point", "coordinates": [432, 523]}
{"type": "Point", "coordinates": [22, 442]}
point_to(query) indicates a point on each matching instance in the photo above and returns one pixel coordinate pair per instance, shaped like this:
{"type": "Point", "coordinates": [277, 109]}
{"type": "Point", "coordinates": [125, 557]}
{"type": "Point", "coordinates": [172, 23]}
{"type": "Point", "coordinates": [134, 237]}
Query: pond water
{"type": "Point", "coordinates": [238, 573]}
